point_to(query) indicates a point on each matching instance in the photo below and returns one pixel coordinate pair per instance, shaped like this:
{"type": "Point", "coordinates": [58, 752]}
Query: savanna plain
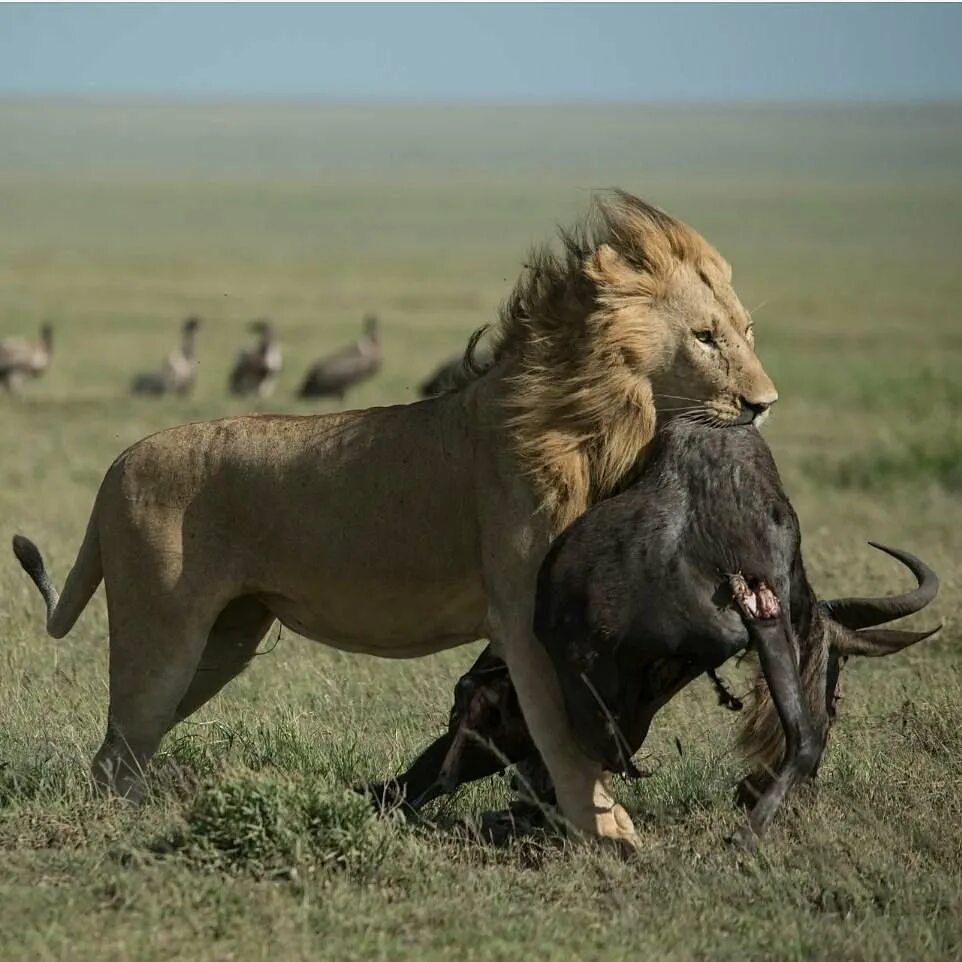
{"type": "Point", "coordinates": [117, 220]}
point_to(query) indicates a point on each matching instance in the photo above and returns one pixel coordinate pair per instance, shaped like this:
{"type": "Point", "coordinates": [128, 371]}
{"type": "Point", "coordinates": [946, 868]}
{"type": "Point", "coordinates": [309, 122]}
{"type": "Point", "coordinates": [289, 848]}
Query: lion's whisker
{"type": "Point", "coordinates": [679, 397]}
{"type": "Point", "coordinates": [764, 303]}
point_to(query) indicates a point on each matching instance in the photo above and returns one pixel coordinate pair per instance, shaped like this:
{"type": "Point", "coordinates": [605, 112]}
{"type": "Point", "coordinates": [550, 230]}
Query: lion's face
{"type": "Point", "coordinates": [709, 363]}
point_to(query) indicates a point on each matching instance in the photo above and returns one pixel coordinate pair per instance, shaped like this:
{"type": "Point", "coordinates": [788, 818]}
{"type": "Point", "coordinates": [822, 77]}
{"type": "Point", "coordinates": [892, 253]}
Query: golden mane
{"type": "Point", "coordinates": [575, 347]}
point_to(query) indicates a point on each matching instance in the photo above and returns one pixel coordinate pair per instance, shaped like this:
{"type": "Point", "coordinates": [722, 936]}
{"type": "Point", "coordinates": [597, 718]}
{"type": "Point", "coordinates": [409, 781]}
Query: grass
{"type": "Point", "coordinates": [119, 219]}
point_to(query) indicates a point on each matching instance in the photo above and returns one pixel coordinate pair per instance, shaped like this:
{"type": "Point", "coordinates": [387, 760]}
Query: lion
{"type": "Point", "coordinates": [405, 530]}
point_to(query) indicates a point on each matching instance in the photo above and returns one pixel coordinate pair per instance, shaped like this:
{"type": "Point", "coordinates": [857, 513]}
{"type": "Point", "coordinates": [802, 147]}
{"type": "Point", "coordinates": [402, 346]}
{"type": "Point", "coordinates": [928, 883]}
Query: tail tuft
{"type": "Point", "coordinates": [82, 581]}
{"type": "Point", "coordinates": [28, 554]}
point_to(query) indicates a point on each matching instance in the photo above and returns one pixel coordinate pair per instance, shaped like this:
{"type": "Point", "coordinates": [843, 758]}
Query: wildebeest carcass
{"type": "Point", "coordinates": [697, 561]}
{"type": "Point", "coordinates": [334, 374]}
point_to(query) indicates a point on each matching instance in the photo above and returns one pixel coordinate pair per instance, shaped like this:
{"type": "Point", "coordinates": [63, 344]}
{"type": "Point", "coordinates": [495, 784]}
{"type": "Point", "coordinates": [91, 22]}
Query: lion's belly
{"type": "Point", "coordinates": [377, 620]}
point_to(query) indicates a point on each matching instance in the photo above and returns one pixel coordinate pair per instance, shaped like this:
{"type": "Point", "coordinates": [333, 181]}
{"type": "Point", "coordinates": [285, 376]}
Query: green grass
{"type": "Point", "coordinates": [119, 219]}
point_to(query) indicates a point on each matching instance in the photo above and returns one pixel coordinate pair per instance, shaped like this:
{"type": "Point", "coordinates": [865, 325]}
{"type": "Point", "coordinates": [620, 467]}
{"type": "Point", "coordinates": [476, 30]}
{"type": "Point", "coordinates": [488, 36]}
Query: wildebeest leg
{"type": "Point", "coordinates": [486, 733]}
{"type": "Point", "coordinates": [802, 744]}
{"type": "Point", "coordinates": [725, 698]}
{"type": "Point", "coordinates": [532, 779]}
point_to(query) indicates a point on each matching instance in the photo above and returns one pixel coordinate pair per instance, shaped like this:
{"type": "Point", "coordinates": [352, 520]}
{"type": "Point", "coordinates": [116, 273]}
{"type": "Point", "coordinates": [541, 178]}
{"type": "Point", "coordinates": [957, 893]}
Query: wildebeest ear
{"type": "Point", "coordinates": [876, 642]}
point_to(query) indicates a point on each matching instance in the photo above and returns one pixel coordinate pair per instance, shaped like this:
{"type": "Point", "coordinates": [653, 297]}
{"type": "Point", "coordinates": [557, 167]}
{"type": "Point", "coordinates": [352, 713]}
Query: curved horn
{"type": "Point", "coordinates": [868, 612]}
{"type": "Point", "coordinates": [878, 641]}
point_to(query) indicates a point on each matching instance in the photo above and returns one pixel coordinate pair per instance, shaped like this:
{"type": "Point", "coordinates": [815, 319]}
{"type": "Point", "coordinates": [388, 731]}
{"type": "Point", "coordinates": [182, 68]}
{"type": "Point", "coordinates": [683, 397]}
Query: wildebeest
{"type": "Point", "coordinates": [176, 375]}
{"type": "Point", "coordinates": [334, 374]}
{"type": "Point", "coordinates": [22, 358]}
{"type": "Point", "coordinates": [257, 367]}
{"type": "Point", "coordinates": [696, 561]}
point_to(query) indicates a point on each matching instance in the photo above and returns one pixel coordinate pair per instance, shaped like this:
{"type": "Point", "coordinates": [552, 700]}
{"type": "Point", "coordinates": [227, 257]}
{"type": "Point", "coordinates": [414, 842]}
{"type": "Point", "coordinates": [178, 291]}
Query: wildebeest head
{"type": "Point", "coordinates": [828, 633]}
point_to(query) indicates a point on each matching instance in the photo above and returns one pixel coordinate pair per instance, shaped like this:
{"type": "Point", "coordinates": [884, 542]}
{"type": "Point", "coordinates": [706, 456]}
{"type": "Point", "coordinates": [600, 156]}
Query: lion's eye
{"type": "Point", "coordinates": [705, 337]}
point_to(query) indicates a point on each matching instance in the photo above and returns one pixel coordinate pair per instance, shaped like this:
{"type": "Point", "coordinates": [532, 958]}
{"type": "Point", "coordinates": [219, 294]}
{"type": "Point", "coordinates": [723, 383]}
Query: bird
{"type": "Point", "coordinates": [22, 358]}
{"type": "Point", "coordinates": [256, 368]}
{"type": "Point", "coordinates": [334, 374]}
{"type": "Point", "coordinates": [446, 377]}
{"type": "Point", "coordinates": [176, 376]}
{"type": "Point", "coordinates": [456, 370]}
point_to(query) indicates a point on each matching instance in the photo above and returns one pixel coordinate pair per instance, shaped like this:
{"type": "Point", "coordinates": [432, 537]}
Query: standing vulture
{"type": "Point", "coordinates": [22, 358]}
{"type": "Point", "coordinates": [256, 368]}
{"type": "Point", "coordinates": [176, 375]}
{"type": "Point", "coordinates": [334, 374]}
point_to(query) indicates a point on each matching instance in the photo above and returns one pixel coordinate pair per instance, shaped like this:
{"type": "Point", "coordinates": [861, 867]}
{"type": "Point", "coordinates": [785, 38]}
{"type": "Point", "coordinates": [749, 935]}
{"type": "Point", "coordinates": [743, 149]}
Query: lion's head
{"type": "Point", "coordinates": [634, 320]}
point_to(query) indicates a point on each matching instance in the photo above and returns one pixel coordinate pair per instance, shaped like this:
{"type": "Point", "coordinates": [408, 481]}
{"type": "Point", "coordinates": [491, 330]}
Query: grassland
{"type": "Point", "coordinates": [116, 220]}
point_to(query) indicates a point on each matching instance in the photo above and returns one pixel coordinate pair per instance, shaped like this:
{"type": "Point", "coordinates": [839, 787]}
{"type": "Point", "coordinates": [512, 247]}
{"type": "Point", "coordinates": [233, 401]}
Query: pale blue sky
{"type": "Point", "coordinates": [485, 51]}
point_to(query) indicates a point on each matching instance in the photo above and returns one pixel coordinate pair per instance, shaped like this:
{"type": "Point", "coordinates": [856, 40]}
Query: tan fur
{"type": "Point", "coordinates": [405, 530]}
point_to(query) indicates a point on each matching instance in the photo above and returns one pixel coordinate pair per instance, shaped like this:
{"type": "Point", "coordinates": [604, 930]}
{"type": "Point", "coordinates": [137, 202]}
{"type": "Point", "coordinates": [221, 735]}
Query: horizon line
{"type": "Point", "coordinates": [226, 98]}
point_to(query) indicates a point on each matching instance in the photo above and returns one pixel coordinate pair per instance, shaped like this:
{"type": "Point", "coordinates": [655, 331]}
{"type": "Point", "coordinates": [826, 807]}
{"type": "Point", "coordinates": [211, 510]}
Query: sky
{"type": "Point", "coordinates": [487, 52]}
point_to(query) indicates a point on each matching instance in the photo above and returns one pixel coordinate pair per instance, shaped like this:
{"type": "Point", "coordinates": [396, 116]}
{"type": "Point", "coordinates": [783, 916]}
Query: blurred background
{"type": "Point", "coordinates": [315, 164]}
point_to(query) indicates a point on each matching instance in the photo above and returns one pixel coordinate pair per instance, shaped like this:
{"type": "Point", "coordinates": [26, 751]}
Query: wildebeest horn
{"type": "Point", "coordinates": [878, 641]}
{"type": "Point", "coordinates": [867, 612]}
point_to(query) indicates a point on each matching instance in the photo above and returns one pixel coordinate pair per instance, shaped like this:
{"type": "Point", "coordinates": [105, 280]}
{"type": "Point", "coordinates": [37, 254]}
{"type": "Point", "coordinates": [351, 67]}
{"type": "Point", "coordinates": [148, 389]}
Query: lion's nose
{"type": "Point", "coordinates": [757, 408]}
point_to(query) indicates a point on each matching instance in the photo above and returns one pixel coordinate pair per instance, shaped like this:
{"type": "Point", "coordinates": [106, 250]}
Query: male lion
{"type": "Point", "coordinates": [401, 531]}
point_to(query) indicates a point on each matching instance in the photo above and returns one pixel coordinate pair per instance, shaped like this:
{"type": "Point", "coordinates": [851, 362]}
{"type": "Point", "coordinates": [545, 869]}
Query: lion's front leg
{"type": "Point", "coordinates": [583, 796]}
{"type": "Point", "coordinates": [515, 535]}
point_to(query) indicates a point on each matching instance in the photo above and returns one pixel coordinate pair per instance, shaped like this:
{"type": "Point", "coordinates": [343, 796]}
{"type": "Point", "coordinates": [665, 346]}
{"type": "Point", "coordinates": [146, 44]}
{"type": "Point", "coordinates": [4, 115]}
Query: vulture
{"type": "Point", "coordinates": [176, 375]}
{"type": "Point", "coordinates": [257, 367]}
{"type": "Point", "coordinates": [334, 374]}
{"type": "Point", "coordinates": [22, 358]}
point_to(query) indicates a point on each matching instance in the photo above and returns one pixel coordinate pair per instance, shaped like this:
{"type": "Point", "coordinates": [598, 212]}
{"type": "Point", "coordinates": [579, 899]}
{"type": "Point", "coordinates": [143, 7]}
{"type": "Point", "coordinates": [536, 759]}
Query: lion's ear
{"type": "Point", "coordinates": [607, 268]}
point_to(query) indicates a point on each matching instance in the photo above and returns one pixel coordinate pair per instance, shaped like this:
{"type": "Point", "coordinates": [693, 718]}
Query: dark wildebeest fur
{"type": "Point", "coordinates": [635, 599]}
{"type": "Point", "coordinates": [456, 371]}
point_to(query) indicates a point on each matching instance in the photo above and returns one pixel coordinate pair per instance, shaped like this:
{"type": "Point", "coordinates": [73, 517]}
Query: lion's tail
{"type": "Point", "coordinates": [86, 574]}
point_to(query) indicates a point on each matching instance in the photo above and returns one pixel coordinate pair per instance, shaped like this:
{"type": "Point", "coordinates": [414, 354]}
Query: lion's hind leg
{"type": "Point", "coordinates": [231, 645]}
{"type": "Point", "coordinates": [153, 659]}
